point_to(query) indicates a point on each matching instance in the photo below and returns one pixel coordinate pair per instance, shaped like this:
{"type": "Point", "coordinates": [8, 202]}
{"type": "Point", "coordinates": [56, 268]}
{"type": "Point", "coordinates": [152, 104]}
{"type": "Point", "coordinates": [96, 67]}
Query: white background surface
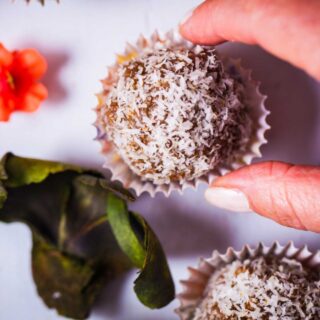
{"type": "Point", "coordinates": [79, 39]}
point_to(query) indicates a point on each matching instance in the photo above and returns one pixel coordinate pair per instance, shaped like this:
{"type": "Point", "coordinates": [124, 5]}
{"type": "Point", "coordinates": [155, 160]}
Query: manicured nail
{"type": "Point", "coordinates": [228, 199]}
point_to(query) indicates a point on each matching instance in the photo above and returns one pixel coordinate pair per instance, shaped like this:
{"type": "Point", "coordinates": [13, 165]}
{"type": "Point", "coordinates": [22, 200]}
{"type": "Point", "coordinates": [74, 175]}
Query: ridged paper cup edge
{"type": "Point", "coordinates": [120, 170]}
{"type": "Point", "coordinates": [194, 286]}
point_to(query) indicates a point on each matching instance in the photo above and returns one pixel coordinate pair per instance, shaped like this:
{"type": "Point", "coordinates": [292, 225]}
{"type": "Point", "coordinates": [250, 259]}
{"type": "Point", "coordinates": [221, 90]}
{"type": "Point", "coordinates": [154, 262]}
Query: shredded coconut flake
{"type": "Point", "coordinates": [174, 114]}
{"type": "Point", "coordinates": [261, 289]}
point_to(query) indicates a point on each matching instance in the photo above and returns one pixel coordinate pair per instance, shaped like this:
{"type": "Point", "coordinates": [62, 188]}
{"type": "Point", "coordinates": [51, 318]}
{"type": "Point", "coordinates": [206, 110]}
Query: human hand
{"type": "Point", "coordinates": [289, 29]}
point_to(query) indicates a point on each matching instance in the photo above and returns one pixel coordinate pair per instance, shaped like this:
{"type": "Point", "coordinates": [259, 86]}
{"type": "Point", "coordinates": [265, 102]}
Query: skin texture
{"type": "Point", "coordinates": [289, 29]}
{"type": "Point", "coordinates": [286, 193]}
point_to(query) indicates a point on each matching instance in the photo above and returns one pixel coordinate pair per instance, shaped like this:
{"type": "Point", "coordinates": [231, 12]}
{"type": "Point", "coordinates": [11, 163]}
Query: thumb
{"type": "Point", "coordinates": [283, 192]}
{"type": "Point", "coordinates": [281, 27]}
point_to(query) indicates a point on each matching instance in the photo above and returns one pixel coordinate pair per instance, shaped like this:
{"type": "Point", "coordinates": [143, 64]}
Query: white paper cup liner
{"type": "Point", "coordinates": [194, 287]}
{"type": "Point", "coordinates": [255, 100]}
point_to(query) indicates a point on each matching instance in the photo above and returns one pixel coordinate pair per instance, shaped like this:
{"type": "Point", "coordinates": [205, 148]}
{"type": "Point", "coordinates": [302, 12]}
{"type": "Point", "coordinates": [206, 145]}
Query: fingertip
{"type": "Point", "coordinates": [228, 199]}
{"type": "Point", "coordinates": [279, 191]}
{"type": "Point", "coordinates": [249, 175]}
{"type": "Point", "coordinates": [231, 179]}
{"type": "Point", "coordinates": [197, 26]}
{"type": "Point", "coordinates": [186, 25]}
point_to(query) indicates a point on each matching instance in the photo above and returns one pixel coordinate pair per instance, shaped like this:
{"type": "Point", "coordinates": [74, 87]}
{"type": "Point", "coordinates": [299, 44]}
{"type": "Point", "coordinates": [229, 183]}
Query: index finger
{"type": "Point", "coordinates": [289, 29]}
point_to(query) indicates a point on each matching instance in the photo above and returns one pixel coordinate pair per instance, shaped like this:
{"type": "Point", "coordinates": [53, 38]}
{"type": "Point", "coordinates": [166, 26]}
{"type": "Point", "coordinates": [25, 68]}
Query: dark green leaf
{"type": "Point", "coordinates": [74, 250]}
{"type": "Point", "coordinates": [118, 190]}
{"type": "Point", "coordinates": [19, 171]}
{"type": "Point", "coordinates": [154, 286]}
{"type": "Point", "coordinates": [3, 192]}
{"type": "Point", "coordinates": [64, 282]}
{"type": "Point", "coordinates": [3, 195]}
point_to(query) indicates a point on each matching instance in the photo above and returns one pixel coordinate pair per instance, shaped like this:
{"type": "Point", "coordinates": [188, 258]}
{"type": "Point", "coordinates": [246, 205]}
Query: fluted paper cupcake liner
{"type": "Point", "coordinates": [256, 103]}
{"type": "Point", "coordinates": [194, 287]}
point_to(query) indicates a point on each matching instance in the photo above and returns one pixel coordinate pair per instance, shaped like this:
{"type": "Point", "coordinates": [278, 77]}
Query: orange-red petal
{"type": "Point", "coordinates": [6, 57]}
{"type": "Point", "coordinates": [30, 63]}
{"type": "Point", "coordinates": [19, 73]}
{"type": "Point", "coordinates": [4, 111]}
{"type": "Point", "coordinates": [33, 98]}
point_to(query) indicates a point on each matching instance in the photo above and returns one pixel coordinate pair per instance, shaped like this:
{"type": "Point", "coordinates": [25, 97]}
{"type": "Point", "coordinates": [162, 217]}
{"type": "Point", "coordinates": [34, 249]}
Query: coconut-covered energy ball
{"type": "Point", "coordinates": [264, 288]}
{"type": "Point", "coordinates": [174, 115]}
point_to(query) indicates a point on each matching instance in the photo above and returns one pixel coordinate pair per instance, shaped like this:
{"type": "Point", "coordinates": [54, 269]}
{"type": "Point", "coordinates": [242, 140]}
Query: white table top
{"type": "Point", "coordinates": [79, 39]}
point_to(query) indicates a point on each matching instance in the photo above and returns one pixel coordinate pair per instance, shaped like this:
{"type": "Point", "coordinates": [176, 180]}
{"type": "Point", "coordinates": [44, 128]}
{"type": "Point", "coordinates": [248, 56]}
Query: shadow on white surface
{"type": "Point", "coordinates": [293, 99]}
{"type": "Point", "coordinates": [186, 226]}
{"type": "Point", "coordinates": [57, 60]}
{"type": "Point", "coordinates": [177, 225]}
{"type": "Point", "coordinates": [109, 302]}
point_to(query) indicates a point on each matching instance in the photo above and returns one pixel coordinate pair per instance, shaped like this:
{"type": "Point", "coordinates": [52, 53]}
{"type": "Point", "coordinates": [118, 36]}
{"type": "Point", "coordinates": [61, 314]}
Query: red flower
{"type": "Point", "coordinates": [19, 86]}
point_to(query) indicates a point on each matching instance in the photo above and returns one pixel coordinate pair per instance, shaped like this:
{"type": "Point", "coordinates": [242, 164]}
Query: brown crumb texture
{"type": "Point", "coordinates": [174, 114]}
{"type": "Point", "coordinates": [266, 289]}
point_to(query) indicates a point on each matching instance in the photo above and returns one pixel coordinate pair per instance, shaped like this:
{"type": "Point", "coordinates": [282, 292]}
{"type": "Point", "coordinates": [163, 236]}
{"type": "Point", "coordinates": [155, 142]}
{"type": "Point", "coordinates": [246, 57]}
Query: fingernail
{"type": "Point", "coordinates": [229, 199]}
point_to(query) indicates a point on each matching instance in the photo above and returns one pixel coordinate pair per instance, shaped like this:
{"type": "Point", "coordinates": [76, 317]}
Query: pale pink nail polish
{"type": "Point", "coordinates": [228, 199]}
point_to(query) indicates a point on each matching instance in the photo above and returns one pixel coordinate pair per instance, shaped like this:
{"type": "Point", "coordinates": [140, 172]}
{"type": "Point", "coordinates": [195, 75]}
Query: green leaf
{"type": "Point", "coordinates": [23, 171]}
{"type": "Point", "coordinates": [119, 219]}
{"type": "Point", "coordinates": [3, 195]}
{"type": "Point", "coordinates": [74, 250]}
{"type": "Point", "coordinates": [64, 282]}
{"type": "Point", "coordinates": [118, 190]}
{"type": "Point", "coordinates": [3, 192]}
{"type": "Point", "coordinates": [154, 286]}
